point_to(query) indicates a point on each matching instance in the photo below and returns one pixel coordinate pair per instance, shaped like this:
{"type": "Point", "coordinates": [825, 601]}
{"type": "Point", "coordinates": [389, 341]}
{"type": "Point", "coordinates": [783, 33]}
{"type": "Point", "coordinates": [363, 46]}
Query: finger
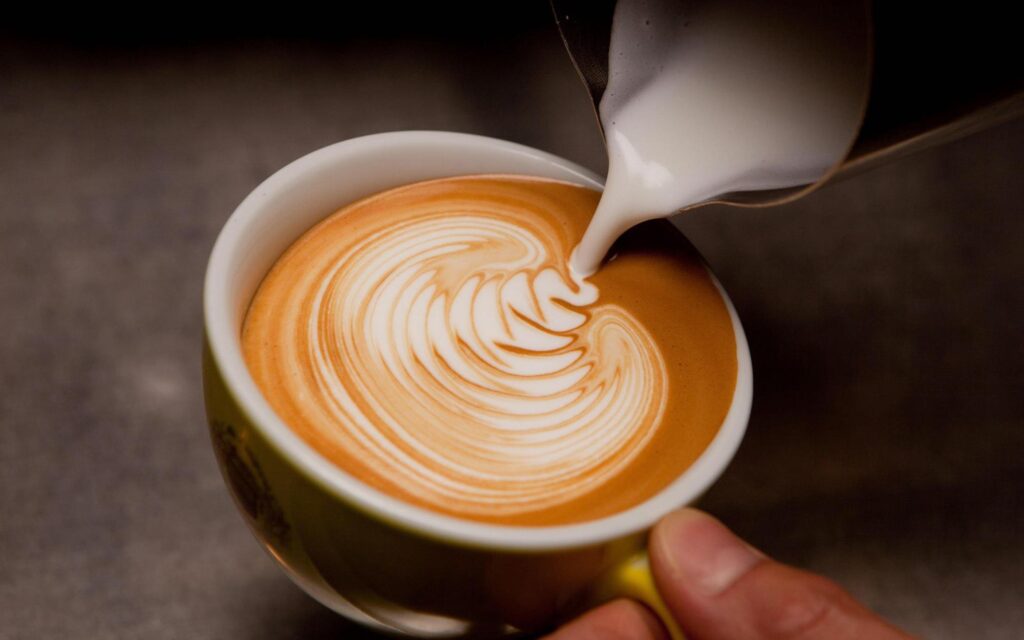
{"type": "Point", "coordinates": [720, 587]}
{"type": "Point", "coordinates": [618, 620]}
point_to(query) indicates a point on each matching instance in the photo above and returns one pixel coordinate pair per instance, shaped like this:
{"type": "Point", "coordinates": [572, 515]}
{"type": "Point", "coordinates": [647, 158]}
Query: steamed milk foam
{"type": "Point", "coordinates": [708, 98]}
{"type": "Point", "coordinates": [432, 341]}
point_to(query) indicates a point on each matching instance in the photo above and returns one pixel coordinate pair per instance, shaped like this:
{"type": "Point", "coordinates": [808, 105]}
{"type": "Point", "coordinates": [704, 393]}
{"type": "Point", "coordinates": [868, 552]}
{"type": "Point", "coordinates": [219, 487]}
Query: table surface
{"type": "Point", "coordinates": [883, 312]}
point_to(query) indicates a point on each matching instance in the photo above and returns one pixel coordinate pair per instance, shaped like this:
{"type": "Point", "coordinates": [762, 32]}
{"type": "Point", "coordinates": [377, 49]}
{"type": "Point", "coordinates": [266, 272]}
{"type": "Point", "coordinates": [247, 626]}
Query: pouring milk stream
{"type": "Point", "coordinates": [710, 98]}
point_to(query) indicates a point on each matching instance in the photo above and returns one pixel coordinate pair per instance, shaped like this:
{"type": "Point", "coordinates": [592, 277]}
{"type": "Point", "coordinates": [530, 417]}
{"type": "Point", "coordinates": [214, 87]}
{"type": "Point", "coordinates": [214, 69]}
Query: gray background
{"type": "Point", "coordinates": [885, 446]}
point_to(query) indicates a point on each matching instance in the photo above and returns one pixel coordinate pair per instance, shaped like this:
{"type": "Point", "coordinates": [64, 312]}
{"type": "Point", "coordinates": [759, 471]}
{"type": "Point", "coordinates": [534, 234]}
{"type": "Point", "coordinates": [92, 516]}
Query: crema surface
{"type": "Point", "coordinates": [432, 341]}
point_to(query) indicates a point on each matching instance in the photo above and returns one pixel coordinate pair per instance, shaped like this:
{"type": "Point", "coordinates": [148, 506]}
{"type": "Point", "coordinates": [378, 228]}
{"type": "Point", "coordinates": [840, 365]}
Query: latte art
{"type": "Point", "coordinates": [432, 342]}
{"type": "Point", "coordinates": [455, 354]}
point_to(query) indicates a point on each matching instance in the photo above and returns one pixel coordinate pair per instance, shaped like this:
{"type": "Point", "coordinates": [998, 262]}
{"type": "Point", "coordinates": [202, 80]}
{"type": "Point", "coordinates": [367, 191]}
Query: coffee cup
{"type": "Point", "coordinates": [372, 558]}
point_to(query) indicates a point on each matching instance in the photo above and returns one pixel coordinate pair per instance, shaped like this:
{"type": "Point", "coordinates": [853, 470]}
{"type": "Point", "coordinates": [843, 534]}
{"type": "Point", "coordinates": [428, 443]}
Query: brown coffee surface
{"type": "Point", "coordinates": [431, 341]}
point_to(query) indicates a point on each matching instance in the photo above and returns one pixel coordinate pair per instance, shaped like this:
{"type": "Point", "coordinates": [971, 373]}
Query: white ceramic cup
{"type": "Point", "coordinates": [379, 561]}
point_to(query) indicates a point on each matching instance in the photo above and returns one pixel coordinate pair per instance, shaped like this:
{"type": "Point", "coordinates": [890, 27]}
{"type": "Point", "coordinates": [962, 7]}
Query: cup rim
{"type": "Point", "coordinates": [225, 349]}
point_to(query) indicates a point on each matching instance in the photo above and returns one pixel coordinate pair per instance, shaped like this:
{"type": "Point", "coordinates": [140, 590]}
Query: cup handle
{"type": "Point", "coordinates": [633, 579]}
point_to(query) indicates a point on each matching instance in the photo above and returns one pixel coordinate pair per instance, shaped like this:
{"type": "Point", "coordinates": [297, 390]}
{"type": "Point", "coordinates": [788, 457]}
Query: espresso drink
{"type": "Point", "coordinates": [433, 342]}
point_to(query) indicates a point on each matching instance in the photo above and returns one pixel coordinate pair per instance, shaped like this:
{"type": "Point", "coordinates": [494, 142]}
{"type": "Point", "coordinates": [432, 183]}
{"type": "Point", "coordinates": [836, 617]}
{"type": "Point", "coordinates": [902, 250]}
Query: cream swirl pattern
{"type": "Point", "coordinates": [454, 353]}
{"type": "Point", "coordinates": [433, 342]}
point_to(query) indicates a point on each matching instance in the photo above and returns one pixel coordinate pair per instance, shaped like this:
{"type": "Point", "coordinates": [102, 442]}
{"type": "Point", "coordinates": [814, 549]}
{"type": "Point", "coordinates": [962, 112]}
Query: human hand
{"type": "Point", "coordinates": [718, 587]}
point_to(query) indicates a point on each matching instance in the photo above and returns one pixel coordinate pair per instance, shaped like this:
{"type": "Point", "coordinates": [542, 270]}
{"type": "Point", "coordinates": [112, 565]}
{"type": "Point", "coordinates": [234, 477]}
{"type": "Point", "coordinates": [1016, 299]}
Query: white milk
{"type": "Point", "coordinates": [709, 98]}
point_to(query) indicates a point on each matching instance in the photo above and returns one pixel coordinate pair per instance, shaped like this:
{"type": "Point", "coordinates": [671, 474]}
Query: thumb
{"type": "Point", "coordinates": [719, 587]}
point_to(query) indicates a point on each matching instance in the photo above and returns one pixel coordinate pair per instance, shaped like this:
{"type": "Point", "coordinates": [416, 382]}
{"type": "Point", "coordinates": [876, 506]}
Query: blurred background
{"type": "Point", "coordinates": [883, 312]}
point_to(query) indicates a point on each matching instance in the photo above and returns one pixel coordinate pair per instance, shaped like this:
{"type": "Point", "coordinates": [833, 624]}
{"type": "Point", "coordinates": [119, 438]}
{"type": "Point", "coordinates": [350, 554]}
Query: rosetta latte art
{"type": "Point", "coordinates": [460, 362]}
{"type": "Point", "coordinates": [432, 342]}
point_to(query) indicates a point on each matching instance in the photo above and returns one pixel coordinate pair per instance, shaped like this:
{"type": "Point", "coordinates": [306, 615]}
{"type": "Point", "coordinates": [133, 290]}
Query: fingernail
{"type": "Point", "coordinates": [703, 555]}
